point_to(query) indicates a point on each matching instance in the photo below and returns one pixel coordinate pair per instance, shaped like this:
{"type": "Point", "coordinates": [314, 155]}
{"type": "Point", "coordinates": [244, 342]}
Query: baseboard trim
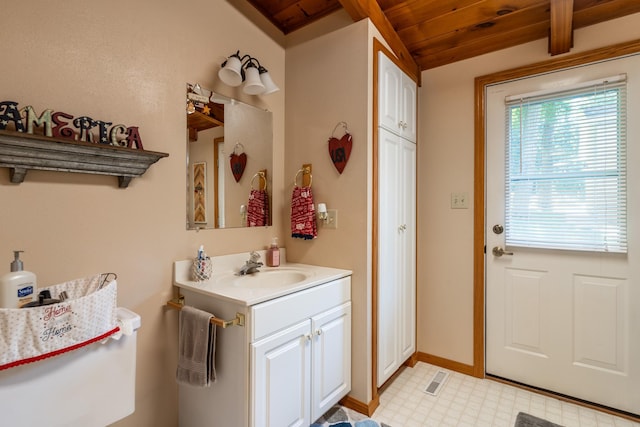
{"type": "Point", "coordinates": [361, 407]}
{"type": "Point", "coordinates": [463, 368]}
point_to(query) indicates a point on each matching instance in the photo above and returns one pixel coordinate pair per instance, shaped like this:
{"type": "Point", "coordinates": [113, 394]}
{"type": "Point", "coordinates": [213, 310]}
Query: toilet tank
{"type": "Point", "coordinates": [93, 386]}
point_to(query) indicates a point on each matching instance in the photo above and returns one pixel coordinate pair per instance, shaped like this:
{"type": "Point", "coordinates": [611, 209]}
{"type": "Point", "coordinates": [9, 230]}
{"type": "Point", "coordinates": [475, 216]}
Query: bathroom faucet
{"type": "Point", "coordinates": [252, 265]}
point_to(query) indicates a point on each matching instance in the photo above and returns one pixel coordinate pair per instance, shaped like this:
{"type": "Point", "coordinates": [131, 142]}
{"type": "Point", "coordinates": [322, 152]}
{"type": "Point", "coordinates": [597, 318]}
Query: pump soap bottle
{"type": "Point", "coordinates": [273, 254]}
{"type": "Point", "coordinates": [18, 287]}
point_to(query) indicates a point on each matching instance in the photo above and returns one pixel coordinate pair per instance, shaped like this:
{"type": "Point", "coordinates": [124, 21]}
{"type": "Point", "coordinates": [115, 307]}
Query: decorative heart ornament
{"type": "Point", "coordinates": [238, 163]}
{"type": "Point", "coordinates": [340, 150]}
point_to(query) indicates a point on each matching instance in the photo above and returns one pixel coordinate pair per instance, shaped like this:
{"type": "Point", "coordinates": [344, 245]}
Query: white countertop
{"type": "Point", "coordinates": [227, 285]}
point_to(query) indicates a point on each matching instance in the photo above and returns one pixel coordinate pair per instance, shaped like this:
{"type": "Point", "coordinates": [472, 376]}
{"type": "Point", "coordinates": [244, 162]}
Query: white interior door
{"type": "Point", "coordinates": [389, 221]}
{"type": "Point", "coordinates": [564, 320]}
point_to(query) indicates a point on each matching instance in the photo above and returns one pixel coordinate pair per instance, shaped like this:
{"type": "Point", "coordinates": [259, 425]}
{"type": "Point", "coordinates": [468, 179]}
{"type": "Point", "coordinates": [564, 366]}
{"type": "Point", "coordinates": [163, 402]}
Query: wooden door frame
{"type": "Point", "coordinates": [556, 64]}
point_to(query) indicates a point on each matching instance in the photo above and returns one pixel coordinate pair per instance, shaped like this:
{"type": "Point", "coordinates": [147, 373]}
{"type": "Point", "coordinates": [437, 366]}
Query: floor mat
{"type": "Point", "coordinates": [339, 416]}
{"type": "Point", "coordinates": [526, 420]}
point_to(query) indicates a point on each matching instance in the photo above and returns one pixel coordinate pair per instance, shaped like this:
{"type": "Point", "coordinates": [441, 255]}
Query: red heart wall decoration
{"type": "Point", "coordinates": [340, 150]}
{"type": "Point", "coordinates": [238, 163]}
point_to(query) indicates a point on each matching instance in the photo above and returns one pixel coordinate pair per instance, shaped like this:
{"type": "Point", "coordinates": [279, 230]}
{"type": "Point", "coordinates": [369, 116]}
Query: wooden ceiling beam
{"type": "Point", "coordinates": [360, 9]}
{"type": "Point", "coordinates": [446, 52]}
{"type": "Point", "coordinates": [561, 32]}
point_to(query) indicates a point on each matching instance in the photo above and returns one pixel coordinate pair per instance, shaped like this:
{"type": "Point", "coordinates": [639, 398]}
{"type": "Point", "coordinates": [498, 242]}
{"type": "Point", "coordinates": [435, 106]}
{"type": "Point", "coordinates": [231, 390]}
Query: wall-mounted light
{"type": "Point", "coordinates": [322, 212]}
{"type": "Point", "coordinates": [237, 69]}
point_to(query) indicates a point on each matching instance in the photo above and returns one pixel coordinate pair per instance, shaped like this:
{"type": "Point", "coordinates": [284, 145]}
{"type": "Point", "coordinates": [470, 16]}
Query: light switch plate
{"type": "Point", "coordinates": [460, 200]}
{"type": "Point", "coordinates": [332, 219]}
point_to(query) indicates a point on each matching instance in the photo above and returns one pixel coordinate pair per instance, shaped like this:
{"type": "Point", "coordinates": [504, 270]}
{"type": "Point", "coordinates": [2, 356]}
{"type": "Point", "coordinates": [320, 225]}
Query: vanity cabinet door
{"type": "Point", "coordinates": [331, 364]}
{"type": "Point", "coordinates": [281, 365]}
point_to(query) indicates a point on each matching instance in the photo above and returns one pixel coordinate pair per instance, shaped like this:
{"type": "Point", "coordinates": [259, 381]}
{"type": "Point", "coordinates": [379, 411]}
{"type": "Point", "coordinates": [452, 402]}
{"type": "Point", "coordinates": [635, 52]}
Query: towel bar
{"type": "Point", "coordinates": [178, 303]}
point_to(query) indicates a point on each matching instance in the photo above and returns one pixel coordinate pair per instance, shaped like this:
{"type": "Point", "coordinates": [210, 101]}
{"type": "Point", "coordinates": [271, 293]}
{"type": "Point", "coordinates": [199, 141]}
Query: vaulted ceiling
{"type": "Point", "coordinates": [429, 33]}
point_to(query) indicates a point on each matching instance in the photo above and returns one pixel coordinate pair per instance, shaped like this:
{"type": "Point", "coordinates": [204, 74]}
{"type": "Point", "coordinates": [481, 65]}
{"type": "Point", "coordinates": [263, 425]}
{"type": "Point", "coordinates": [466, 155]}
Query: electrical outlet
{"type": "Point", "coordinates": [460, 200]}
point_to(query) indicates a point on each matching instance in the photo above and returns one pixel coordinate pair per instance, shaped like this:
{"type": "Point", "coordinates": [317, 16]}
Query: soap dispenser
{"type": "Point", "coordinates": [273, 254]}
{"type": "Point", "coordinates": [18, 287]}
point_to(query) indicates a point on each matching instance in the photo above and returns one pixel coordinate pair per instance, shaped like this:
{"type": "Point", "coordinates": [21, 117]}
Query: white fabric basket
{"type": "Point", "coordinates": [88, 315]}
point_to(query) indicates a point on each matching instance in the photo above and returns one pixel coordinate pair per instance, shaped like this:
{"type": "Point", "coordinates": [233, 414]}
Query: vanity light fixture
{"type": "Point", "coordinates": [237, 69]}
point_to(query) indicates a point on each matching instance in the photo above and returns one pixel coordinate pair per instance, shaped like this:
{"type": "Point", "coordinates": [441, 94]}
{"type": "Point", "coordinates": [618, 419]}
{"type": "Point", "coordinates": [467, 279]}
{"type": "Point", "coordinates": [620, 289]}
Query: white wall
{"type": "Point", "coordinates": [445, 165]}
{"type": "Point", "coordinates": [126, 62]}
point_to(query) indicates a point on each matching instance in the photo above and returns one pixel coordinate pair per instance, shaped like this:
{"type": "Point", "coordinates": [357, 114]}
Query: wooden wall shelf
{"type": "Point", "coordinates": [21, 151]}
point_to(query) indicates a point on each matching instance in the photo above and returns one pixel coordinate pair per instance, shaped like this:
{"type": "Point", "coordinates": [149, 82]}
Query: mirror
{"type": "Point", "coordinates": [229, 162]}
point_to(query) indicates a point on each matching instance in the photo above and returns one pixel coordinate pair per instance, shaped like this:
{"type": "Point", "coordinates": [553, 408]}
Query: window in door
{"type": "Point", "coordinates": [565, 184]}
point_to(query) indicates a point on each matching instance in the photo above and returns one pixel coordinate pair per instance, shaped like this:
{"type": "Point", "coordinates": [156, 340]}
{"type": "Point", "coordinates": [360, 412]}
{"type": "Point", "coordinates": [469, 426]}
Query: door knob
{"type": "Point", "coordinates": [498, 251]}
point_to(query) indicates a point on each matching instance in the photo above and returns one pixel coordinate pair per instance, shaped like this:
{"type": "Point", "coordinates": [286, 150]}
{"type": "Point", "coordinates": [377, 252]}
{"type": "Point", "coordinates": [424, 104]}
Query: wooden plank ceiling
{"type": "Point", "coordinates": [429, 33]}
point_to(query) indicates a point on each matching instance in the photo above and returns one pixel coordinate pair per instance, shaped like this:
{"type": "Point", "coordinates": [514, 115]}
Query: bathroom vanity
{"type": "Point", "coordinates": [289, 362]}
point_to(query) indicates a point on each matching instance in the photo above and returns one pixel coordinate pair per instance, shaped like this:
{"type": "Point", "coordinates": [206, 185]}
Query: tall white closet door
{"type": "Point", "coordinates": [407, 249]}
{"type": "Point", "coordinates": [388, 254]}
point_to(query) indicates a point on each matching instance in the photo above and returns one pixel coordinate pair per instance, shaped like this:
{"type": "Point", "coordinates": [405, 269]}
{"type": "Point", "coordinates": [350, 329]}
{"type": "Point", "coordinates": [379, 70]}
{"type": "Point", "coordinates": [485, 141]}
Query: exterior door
{"type": "Point", "coordinates": [563, 320]}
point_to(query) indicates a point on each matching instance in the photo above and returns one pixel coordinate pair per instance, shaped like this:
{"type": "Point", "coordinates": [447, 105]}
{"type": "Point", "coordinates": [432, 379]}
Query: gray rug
{"type": "Point", "coordinates": [339, 416]}
{"type": "Point", "coordinates": [526, 420]}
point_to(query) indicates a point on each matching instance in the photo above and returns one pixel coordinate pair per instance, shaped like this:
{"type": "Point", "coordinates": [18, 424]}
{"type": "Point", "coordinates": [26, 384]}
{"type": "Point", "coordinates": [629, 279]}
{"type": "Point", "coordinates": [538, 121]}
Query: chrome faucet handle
{"type": "Point", "coordinates": [254, 256]}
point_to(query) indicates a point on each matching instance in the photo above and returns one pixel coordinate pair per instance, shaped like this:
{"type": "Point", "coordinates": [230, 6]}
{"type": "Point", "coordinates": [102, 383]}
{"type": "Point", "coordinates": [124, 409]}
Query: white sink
{"type": "Point", "coordinates": [270, 278]}
{"type": "Point", "coordinates": [266, 284]}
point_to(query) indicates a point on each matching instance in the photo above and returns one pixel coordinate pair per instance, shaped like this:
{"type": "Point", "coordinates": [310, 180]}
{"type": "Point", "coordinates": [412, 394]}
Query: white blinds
{"type": "Point", "coordinates": [565, 183]}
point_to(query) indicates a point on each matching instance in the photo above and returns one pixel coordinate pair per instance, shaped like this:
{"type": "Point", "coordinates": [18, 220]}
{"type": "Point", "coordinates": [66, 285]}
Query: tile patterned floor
{"type": "Point", "coordinates": [465, 401]}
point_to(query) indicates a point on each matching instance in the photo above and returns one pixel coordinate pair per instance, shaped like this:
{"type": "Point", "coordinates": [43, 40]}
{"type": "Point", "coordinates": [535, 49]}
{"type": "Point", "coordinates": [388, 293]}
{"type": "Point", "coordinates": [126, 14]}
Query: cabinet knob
{"type": "Point", "coordinates": [318, 331]}
{"type": "Point", "coordinates": [403, 227]}
{"type": "Point", "coordinates": [307, 337]}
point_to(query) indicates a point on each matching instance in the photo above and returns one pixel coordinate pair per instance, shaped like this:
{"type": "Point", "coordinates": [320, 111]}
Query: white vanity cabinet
{"type": "Point", "coordinates": [300, 363]}
{"type": "Point", "coordinates": [291, 359]}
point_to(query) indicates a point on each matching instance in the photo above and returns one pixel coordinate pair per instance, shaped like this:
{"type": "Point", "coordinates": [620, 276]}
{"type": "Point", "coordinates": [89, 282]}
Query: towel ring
{"type": "Point", "coordinates": [303, 171]}
{"type": "Point", "coordinates": [261, 176]}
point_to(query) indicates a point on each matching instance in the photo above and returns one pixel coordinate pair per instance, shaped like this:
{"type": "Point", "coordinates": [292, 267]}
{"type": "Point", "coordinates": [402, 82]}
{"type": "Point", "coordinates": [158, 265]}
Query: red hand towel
{"type": "Point", "coordinates": [258, 208]}
{"type": "Point", "coordinates": [303, 218]}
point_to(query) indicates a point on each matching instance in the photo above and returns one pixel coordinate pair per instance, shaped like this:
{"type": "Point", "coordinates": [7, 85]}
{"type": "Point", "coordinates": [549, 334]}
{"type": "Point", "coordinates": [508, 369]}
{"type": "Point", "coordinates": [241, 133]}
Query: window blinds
{"type": "Point", "coordinates": [565, 183]}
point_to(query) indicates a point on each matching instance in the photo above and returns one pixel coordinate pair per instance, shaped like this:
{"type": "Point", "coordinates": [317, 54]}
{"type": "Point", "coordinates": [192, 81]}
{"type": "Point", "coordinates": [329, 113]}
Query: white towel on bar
{"type": "Point", "coordinates": [196, 348]}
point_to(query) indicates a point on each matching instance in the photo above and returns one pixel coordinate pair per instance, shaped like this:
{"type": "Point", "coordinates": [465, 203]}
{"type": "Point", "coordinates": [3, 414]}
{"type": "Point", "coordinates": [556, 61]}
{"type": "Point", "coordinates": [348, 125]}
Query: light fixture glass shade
{"type": "Point", "coordinates": [231, 71]}
{"type": "Point", "coordinates": [253, 85]}
{"type": "Point", "coordinates": [269, 85]}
